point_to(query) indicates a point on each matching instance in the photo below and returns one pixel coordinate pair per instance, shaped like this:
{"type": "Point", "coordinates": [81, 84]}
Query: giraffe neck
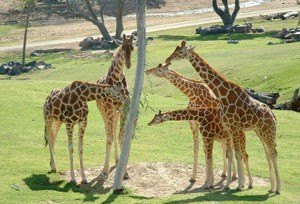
{"type": "Point", "coordinates": [199, 114]}
{"type": "Point", "coordinates": [115, 73]}
{"type": "Point", "coordinates": [91, 91]}
{"type": "Point", "coordinates": [183, 84]}
{"type": "Point", "coordinates": [220, 86]}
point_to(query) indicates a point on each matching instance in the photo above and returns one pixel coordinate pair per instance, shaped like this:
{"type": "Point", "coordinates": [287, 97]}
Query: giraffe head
{"type": "Point", "coordinates": [160, 71]}
{"type": "Point", "coordinates": [116, 91]}
{"type": "Point", "coordinates": [181, 52]}
{"type": "Point", "coordinates": [127, 47]}
{"type": "Point", "coordinates": [158, 118]}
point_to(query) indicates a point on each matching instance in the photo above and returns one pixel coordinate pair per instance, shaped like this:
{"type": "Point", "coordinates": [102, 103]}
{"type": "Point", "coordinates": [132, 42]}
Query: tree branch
{"type": "Point", "coordinates": [219, 11]}
{"type": "Point", "coordinates": [90, 9]}
{"type": "Point", "coordinates": [236, 10]}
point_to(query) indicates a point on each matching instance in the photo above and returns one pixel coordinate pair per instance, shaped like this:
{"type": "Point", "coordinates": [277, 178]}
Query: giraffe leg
{"type": "Point", "coordinates": [82, 126]}
{"type": "Point", "coordinates": [70, 128]}
{"type": "Point", "coordinates": [225, 162]}
{"type": "Point", "coordinates": [208, 148]}
{"type": "Point", "coordinates": [121, 139]}
{"type": "Point", "coordinates": [51, 130]}
{"type": "Point", "coordinates": [107, 113]}
{"type": "Point", "coordinates": [229, 156]}
{"type": "Point", "coordinates": [238, 157]}
{"type": "Point", "coordinates": [271, 155]}
{"type": "Point", "coordinates": [245, 158]}
{"type": "Point", "coordinates": [274, 173]}
{"type": "Point", "coordinates": [195, 130]}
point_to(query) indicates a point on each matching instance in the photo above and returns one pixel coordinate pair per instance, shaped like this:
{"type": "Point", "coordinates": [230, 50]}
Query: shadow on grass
{"type": "Point", "coordinates": [212, 37]}
{"type": "Point", "coordinates": [220, 196]}
{"type": "Point", "coordinates": [40, 182]}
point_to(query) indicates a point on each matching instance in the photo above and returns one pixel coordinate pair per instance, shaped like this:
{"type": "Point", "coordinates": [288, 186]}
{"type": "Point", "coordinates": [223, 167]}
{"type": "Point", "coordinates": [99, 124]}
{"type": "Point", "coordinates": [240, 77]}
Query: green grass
{"type": "Point", "coordinates": [24, 161]}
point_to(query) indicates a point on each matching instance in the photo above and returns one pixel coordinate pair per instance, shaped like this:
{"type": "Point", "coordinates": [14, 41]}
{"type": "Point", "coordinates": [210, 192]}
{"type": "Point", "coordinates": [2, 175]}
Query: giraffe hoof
{"type": "Point", "coordinates": [73, 181]}
{"type": "Point", "coordinates": [226, 188]}
{"type": "Point", "coordinates": [84, 181]}
{"type": "Point", "coordinates": [126, 176]}
{"type": "Point", "coordinates": [277, 192]}
{"type": "Point", "coordinates": [239, 189]}
{"type": "Point", "coordinates": [208, 187]}
{"type": "Point", "coordinates": [250, 187]}
{"type": "Point", "coordinates": [52, 171]}
{"type": "Point", "coordinates": [224, 176]}
{"type": "Point", "coordinates": [234, 177]}
{"type": "Point", "coordinates": [192, 180]}
{"type": "Point", "coordinates": [103, 177]}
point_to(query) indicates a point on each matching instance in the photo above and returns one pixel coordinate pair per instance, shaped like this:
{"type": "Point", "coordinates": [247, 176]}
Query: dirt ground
{"type": "Point", "coordinates": [82, 28]}
{"type": "Point", "coordinates": [160, 179]}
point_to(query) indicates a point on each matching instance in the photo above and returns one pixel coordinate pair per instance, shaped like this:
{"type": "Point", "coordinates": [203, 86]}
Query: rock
{"type": "Point", "coordinates": [87, 43]}
{"type": "Point", "coordinates": [283, 33]}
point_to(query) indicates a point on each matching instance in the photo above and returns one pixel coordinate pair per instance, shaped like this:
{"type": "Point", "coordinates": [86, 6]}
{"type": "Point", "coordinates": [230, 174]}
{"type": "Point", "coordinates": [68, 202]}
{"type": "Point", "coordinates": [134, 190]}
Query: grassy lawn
{"type": "Point", "coordinates": [252, 63]}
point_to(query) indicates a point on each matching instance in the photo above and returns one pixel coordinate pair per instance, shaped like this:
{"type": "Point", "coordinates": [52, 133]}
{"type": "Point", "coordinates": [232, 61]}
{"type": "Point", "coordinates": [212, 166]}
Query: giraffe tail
{"type": "Point", "coordinates": [45, 136]}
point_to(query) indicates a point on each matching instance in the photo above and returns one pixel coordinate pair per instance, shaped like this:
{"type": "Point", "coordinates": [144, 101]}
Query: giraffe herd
{"type": "Point", "coordinates": [219, 109]}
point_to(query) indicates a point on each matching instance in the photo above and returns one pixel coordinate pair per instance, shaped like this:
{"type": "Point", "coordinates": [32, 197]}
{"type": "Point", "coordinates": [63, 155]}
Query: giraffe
{"type": "Point", "coordinates": [109, 108]}
{"type": "Point", "coordinates": [200, 96]}
{"type": "Point", "coordinates": [240, 112]}
{"type": "Point", "coordinates": [211, 129]}
{"type": "Point", "coordinates": [69, 105]}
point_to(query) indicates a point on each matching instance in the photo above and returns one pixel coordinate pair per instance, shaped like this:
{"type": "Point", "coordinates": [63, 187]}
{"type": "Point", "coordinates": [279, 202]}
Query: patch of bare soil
{"type": "Point", "coordinates": [159, 179]}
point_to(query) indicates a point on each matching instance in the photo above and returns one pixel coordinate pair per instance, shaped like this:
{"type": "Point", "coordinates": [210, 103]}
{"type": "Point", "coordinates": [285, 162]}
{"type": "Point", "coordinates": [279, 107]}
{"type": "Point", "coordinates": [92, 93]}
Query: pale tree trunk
{"type": "Point", "coordinates": [227, 18]}
{"type": "Point", "coordinates": [134, 104]}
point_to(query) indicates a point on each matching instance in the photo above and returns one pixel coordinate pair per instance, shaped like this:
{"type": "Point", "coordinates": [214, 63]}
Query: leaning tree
{"type": "Point", "coordinates": [224, 11]}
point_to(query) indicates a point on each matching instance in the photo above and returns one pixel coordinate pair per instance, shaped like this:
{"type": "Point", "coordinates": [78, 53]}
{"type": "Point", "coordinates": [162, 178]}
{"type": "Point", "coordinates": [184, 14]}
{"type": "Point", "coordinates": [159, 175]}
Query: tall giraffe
{"type": "Point", "coordinates": [200, 96]}
{"type": "Point", "coordinates": [109, 107]}
{"type": "Point", "coordinates": [69, 105]}
{"type": "Point", "coordinates": [240, 112]}
{"type": "Point", "coordinates": [211, 129]}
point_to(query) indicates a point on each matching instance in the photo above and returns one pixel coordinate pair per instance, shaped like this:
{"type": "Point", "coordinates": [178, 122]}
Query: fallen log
{"type": "Point", "coordinates": [266, 98]}
{"type": "Point", "coordinates": [293, 104]}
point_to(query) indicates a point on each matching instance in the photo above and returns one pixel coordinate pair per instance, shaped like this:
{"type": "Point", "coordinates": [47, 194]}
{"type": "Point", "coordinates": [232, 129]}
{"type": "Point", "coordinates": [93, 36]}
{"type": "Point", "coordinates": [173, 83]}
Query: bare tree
{"type": "Point", "coordinates": [119, 18]}
{"type": "Point", "coordinates": [224, 13]}
{"type": "Point", "coordinates": [134, 104]}
{"type": "Point", "coordinates": [28, 5]}
{"type": "Point", "coordinates": [84, 9]}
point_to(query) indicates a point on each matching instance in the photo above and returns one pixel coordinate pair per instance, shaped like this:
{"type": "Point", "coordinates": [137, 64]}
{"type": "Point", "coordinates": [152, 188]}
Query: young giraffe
{"type": "Point", "coordinates": [69, 105]}
{"type": "Point", "coordinates": [240, 112]}
{"type": "Point", "coordinates": [210, 128]}
{"type": "Point", "coordinates": [109, 107]}
{"type": "Point", "coordinates": [200, 96]}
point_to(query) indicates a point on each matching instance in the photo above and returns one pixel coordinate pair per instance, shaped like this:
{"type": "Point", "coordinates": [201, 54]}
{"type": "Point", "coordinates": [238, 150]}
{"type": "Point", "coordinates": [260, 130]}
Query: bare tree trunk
{"type": "Point", "coordinates": [29, 8]}
{"type": "Point", "coordinates": [134, 104]}
{"type": "Point", "coordinates": [119, 18]}
{"type": "Point", "coordinates": [227, 18]}
{"type": "Point", "coordinates": [91, 16]}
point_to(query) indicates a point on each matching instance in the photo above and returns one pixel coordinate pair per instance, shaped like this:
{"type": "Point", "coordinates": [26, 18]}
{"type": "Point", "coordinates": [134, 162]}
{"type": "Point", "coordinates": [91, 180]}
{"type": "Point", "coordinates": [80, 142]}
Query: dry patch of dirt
{"type": "Point", "coordinates": [160, 179]}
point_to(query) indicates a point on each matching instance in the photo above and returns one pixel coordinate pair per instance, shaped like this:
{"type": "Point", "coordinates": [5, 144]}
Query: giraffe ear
{"type": "Point", "coordinates": [190, 47]}
{"type": "Point", "coordinates": [183, 43]}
